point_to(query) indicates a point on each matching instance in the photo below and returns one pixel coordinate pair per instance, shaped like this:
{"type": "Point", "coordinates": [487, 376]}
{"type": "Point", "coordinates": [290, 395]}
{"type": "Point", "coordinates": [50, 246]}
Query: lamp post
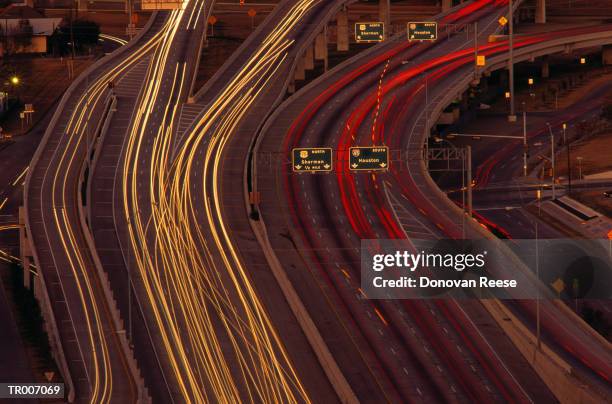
{"type": "Point", "coordinates": [552, 158]}
{"type": "Point", "coordinates": [512, 116]}
{"type": "Point", "coordinates": [539, 196]}
{"type": "Point", "coordinates": [524, 141]}
{"type": "Point", "coordinates": [569, 167]}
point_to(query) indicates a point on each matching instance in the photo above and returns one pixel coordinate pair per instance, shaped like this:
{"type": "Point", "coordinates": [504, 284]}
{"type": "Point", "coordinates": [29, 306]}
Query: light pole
{"type": "Point", "coordinates": [512, 116]}
{"type": "Point", "coordinates": [475, 50]}
{"type": "Point", "coordinates": [539, 196]}
{"type": "Point", "coordinates": [552, 158]}
{"type": "Point", "coordinates": [569, 166]}
{"type": "Point", "coordinates": [579, 167]}
{"type": "Point", "coordinates": [524, 141]}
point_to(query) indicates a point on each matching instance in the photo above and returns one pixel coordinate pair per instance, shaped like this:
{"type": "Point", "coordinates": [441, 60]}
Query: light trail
{"type": "Point", "coordinates": [69, 231]}
{"type": "Point", "coordinates": [201, 296]}
{"type": "Point", "coordinates": [23, 173]}
{"type": "Point", "coordinates": [113, 38]}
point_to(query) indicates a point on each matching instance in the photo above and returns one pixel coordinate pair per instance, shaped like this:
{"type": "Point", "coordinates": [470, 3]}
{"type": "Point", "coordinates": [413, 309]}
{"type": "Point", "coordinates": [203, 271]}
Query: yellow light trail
{"type": "Point", "coordinates": [113, 38]}
{"type": "Point", "coordinates": [200, 293]}
{"type": "Point", "coordinates": [71, 158]}
{"type": "Point", "coordinates": [23, 173]}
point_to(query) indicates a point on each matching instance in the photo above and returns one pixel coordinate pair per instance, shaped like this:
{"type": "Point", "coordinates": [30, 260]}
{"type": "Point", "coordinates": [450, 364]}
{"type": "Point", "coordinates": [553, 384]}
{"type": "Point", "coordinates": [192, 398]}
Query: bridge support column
{"type": "Point", "coordinates": [300, 70]}
{"type": "Point", "coordinates": [320, 49]}
{"type": "Point", "coordinates": [309, 58]}
{"type": "Point", "coordinates": [384, 13]}
{"type": "Point", "coordinates": [606, 55]}
{"type": "Point", "coordinates": [342, 39]}
{"type": "Point", "coordinates": [25, 250]}
{"type": "Point", "coordinates": [446, 4]}
{"type": "Point", "coordinates": [82, 5]}
{"type": "Point", "coordinates": [545, 68]}
{"type": "Point", "coordinates": [540, 12]}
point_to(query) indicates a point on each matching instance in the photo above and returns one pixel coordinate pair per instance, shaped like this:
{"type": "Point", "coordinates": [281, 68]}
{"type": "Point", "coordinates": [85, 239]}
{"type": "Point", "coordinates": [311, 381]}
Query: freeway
{"type": "Point", "coordinates": [244, 341]}
{"type": "Point", "coordinates": [499, 191]}
{"type": "Point", "coordinates": [218, 156]}
{"type": "Point", "coordinates": [423, 363]}
{"type": "Point", "coordinates": [147, 109]}
{"type": "Point", "coordinates": [209, 330]}
{"type": "Point", "coordinates": [88, 342]}
{"type": "Point", "coordinates": [331, 215]}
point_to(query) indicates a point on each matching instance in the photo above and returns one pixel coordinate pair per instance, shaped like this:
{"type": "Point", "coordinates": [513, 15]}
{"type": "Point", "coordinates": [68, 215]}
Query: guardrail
{"type": "Point", "coordinates": [46, 307]}
{"type": "Point", "coordinates": [111, 107]}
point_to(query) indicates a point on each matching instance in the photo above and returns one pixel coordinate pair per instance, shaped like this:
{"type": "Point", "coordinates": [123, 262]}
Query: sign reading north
{"type": "Point", "coordinates": [422, 31]}
{"type": "Point", "coordinates": [369, 158]}
{"type": "Point", "coordinates": [312, 159]}
{"type": "Point", "coordinates": [369, 31]}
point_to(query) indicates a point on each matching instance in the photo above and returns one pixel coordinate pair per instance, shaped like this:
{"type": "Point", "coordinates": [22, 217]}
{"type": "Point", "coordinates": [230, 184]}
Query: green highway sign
{"type": "Point", "coordinates": [422, 31]}
{"type": "Point", "coordinates": [369, 158]}
{"type": "Point", "coordinates": [369, 31]}
{"type": "Point", "coordinates": [312, 159]}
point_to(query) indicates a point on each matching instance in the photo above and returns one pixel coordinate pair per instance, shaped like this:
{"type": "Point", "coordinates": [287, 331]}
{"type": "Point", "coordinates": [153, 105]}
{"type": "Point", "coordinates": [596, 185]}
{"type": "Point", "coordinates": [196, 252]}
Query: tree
{"type": "Point", "coordinates": [85, 33]}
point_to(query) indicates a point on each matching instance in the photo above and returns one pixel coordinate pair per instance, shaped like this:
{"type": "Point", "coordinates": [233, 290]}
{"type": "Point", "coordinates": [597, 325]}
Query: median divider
{"type": "Point", "coordinates": [41, 291]}
{"type": "Point", "coordinates": [128, 352]}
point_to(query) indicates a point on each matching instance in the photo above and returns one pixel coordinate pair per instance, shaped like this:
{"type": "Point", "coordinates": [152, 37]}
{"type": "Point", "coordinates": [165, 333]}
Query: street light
{"type": "Point", "coordinates": [512, 116]}
{"type": "Point", "coordinates": [552, 158]}
{"type": "Point", "coordinates": [524, 140]}
{"type": "Point", "coordinates": [582, 61]}
{"type": "Point", "coordinates": [537, 239]}
{"type": "Point", "coordinates": [569, 167]}
{"type": "Point", "coordinates": [15, 80]}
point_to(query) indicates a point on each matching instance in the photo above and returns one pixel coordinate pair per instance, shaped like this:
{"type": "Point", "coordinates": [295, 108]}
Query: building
{"type": "Point", "coordinates": [25, 30]}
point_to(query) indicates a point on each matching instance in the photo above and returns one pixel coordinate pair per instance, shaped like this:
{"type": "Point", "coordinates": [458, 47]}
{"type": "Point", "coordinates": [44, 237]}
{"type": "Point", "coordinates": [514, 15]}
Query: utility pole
{"type": "Point", "coordinates": [538, 338]}
{"type": "Point", "coordinates": [468, 156]}
{"type": "Point", "coordinates": [130, 22]}
{"type": "Point", "coordinates": [463, 189]}
{"type": "Point", "coordinates": [475, 50]}
{"type": "Point", "coordinates": [512, 116]}
{"type": "Point", "coordinates": [524, 141]}
{"type": "Point", "coordinates": [569, 167]}
{"type": "Point", "coordinates": [552, 158]}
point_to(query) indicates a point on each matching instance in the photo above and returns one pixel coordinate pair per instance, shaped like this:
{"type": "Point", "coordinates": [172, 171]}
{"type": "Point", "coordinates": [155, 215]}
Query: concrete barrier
{"type": "Point", "coordinates": [143, 398]}
{"type": "Point", "coordinates": [41, 290]}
